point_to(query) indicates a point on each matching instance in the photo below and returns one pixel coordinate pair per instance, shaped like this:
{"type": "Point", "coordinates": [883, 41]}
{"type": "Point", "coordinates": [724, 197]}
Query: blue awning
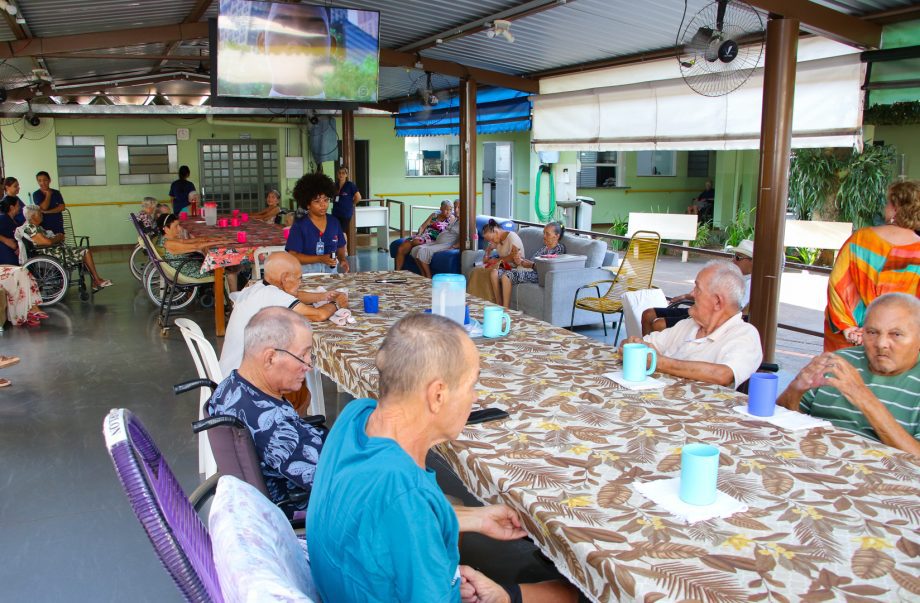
{"type": "Point", "coordinates": [497, 110]}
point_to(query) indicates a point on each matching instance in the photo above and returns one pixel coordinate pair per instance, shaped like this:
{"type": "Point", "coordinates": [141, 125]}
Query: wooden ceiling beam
{"type": "Point", "coordinates": [394, 58]}
{"type": "Point", "coordinates": [834, 24]}
{"type": "Point", "coordinates": [35, 47]}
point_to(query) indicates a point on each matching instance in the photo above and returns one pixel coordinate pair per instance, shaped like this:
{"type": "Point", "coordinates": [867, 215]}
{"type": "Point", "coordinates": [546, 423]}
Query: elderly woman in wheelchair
{"type": "Point", "coordinates": [175, 242]}
{"type": "Point", "coordinates": [48, 243]}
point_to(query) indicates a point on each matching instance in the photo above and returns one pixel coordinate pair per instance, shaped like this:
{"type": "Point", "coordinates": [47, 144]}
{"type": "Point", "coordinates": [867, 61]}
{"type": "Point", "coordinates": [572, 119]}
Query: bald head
{"type": "Point", "coordinates": [908, 303]}
{"type": "Point", "coordinates": [279, 269]}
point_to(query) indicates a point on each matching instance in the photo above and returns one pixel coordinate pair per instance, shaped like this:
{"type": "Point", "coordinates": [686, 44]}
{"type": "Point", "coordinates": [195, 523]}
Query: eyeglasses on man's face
{"type": "Point", "coordinates": [740, 258]}
{"type": "Point", "coordinates": [308, 361]}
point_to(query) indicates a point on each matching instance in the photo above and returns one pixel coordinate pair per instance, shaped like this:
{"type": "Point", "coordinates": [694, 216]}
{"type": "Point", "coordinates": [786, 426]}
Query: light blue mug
{"type": "Point", "coordinates": [495, 322]}
{"type": "Point", "coordinates": [635, 359]}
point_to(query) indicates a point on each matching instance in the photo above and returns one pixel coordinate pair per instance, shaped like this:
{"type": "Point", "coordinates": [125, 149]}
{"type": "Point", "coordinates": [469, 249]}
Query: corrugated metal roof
{"type": "Point", "coordinates": [65, 17]}
{"type": "Point", "coordinates": [864, 7]}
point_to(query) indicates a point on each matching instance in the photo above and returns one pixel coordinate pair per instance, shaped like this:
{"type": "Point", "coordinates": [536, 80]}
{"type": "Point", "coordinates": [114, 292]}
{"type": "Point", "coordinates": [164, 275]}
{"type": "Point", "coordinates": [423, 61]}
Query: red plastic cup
{"type": "Point", "coordinates": [235, 222]}
{"type": "Point", "coordinates": [241, 237]}
{"type": "Point", "coordinates": [244, 217]}
{"type": "Point", "coordinates": [223, 223]}
{"type": "Point", "coordinates": [287, 232]}
{"type": "Point", "coordinates": [235, 213]}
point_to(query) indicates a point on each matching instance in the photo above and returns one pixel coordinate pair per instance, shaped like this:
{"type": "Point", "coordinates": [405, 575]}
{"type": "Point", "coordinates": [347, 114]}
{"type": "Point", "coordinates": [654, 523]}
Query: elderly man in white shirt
{"type": "Point", "coordinates": [714, 345]}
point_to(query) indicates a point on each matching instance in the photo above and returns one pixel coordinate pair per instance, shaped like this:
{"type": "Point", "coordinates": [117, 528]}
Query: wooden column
{"type": "Point", "coordinates": [348, 160]}
{"type": "Point", "coordinates": [467, 164]}
{"type": "Point", "coordinates": [773, 189]}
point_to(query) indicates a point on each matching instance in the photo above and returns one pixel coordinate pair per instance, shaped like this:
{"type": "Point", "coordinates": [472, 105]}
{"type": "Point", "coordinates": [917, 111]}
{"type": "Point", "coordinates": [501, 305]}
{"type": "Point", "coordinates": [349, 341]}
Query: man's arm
{"type": "Point", "coordinates": [46, 205]}
{"type": "Point", "coordinates": [314, 314]}
{"type": "Point", "coordinates": [707, 372]}
{"type": "Point", "coordinates": [495, 521]}
{"type": "Point", "coordinates": [847, 379]}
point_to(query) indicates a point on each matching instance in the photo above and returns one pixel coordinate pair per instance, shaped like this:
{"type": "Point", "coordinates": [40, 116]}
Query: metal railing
{"type": "Point", "coordinates": [705, 252]}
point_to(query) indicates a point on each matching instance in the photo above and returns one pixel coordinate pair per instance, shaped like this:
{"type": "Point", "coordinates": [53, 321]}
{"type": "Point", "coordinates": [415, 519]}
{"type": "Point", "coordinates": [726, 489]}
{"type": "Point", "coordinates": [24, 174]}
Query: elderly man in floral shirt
{"type": "Point", "coordinates": [277, 353]}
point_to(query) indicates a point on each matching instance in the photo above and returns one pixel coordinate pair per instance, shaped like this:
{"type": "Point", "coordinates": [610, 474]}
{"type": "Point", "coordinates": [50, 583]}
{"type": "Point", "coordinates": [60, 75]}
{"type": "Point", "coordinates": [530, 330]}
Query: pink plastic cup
{"type": "Point", "coordinates": [241, 237]}
{"type": "Point", "coordinates": [223, 223]}
{"type": "Point", "coordinates": [183, 216]}
{"type": "Point", "coordinates": [235, 222]}
{"type": "Point", "coordinates": [235, 213]}
{"type": "Point", "coordinates": [287, 232]}
{"type": "Point", "coordinates": [244, 217]}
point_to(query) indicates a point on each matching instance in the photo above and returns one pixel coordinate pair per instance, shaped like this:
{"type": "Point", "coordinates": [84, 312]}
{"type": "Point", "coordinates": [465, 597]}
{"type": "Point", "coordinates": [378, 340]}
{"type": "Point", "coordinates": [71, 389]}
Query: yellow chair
{"type": "Point", "coordinates": [635, 272]}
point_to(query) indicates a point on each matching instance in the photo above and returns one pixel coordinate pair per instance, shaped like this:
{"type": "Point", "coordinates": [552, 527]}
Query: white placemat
{"type": "Point", "coordinates": [649, 383]}
{"type": "Point", "coordinates": [784, 418]}
{"type": "Point", "coordinates": [666, 494]}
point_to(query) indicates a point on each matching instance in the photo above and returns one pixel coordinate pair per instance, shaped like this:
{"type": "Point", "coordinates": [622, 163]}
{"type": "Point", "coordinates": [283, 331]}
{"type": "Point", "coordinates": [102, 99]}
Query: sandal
{"type": "Point", "coordinates": [102, 285]}
{"type": "Point", "coordinates": [40, 315]}
{"type": "Point", "coordinates": [5, 383]}
{"type": "Point", "coordinates": [6, 361]}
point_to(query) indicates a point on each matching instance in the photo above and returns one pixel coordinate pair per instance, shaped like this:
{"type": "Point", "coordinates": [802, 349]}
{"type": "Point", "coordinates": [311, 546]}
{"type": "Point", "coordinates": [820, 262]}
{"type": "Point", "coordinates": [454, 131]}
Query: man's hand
{"type": "Point", "coordinates": [338, 297]}
{"type": "Point", "coordinates": [632, 339]}
{"type": "Point", "coordinates": [847, 380]}
{"type": "Point", "coordinates": [475, 587]}
{"type": "Point", "coordinates": [853, 335]}
{"type": "Point", "coordinates": [343, 266]}
{"type": "Point", "coordinates": [495, 521]}
{"type": "Point", "coordinates": [812, 375]}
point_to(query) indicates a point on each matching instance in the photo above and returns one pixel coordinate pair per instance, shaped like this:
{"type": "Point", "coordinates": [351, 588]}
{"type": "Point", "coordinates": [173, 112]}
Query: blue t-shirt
{"type": "Point", "coordinates": [304, 235]}
{"type": "Point", "coordinates": [378, 526]}
{"type": "Point", "coordinates": [288, 448]}
{"type": "Point", "coordinates": [179, 191]}
{"type": "Point", "coordinates": [8, 256]}
{"type": "Point", "coordinates": [52, 222]}
{"type": "Point", "coordinates": [344, 204]}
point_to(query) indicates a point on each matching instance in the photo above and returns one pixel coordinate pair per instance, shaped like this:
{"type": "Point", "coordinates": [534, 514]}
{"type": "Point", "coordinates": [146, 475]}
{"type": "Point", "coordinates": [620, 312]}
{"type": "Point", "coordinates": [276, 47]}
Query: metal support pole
{"type": "Point", "coordinates": [467, 164]}
{"type": "Point", "coordinates": [348, 160]}
{"type": "Point", "coordinates": [773, 189]}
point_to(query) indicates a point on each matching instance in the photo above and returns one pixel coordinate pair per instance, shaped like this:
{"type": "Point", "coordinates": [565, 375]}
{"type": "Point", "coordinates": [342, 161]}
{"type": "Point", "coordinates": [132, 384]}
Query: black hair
{"type": "Point", "coordinates": [6, 203]}
{"type": "Point", "coordinates": [559, 227]}
{"type": "Point", "coordinates": [43, 173]}
{"type": "Point", "coordinates": [490, 226]}
{"type": "Point", "coordinates": [9, 181]}
{"type": "Point", "coordinates": [184, 172]}
{"type": "Point", "coordinates": [164, 221]}
{"type": "Point", "coordinates": [311, 186]}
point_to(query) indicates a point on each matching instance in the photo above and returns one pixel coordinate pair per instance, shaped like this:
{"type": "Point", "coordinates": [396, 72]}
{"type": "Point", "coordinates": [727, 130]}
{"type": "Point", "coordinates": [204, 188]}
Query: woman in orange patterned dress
{"type": "Point", "coordinates": [874, 261]}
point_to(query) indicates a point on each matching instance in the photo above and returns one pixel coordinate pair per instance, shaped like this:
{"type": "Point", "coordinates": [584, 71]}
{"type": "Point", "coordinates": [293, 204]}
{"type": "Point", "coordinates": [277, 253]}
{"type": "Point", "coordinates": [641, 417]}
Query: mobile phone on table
{"type": "Point", "coordinates": [485, 415]}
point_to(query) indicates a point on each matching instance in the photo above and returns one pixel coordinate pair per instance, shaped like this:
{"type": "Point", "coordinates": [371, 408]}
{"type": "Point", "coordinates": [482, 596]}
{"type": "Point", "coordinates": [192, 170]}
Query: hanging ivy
{"type": "Point", "coordinates": [851, 184]}
{"type": "Point", "coordinates": [895, 114]}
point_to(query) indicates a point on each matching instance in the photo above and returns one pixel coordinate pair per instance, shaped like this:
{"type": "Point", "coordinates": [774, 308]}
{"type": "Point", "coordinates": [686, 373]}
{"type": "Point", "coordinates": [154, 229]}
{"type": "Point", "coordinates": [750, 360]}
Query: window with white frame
{"type": "Point", "coordinates": [147, 159]}
{"type": "Point", "coordinates": [656, 163]}
{"type": "Point", "coordinates": [599, 169]}
{"type": "Point", "coordinates": [432, 156]}
{"type": "Point", "coordinates": [81, 160]}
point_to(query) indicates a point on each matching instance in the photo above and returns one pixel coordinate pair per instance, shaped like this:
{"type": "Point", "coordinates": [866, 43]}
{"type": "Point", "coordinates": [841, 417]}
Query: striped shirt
{"type": "Point", "coordinates": [899, 394]}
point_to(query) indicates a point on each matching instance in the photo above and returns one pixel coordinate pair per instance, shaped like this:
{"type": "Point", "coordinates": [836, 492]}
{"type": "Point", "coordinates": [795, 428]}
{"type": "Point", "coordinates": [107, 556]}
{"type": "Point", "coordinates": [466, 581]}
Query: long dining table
{"type": "Point", "coordinates": [831, 515]}
{"type": "Point", "coordinates": [219, 257]}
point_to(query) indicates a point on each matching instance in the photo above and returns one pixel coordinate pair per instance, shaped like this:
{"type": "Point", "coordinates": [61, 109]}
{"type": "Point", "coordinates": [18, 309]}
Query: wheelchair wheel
{"type": "Point", "coordinates": [51, 278]}
{"type": "Point", "coordinates": [138, 262]}
{"type": "Point", "coordinates": [154, 285]}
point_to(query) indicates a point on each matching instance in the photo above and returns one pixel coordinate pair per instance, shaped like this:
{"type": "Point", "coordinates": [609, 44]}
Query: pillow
{"type": "Point", "coordinates": [257, 555]}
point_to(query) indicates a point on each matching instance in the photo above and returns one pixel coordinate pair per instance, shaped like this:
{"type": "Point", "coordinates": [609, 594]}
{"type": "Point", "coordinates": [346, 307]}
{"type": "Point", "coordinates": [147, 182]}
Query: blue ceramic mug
{"type": "Point", "coordinates": [495, 322]}
{"type": "Point", "coordinates": [699, 473]}
{"type": "Point", "coordinates": [635, 360]}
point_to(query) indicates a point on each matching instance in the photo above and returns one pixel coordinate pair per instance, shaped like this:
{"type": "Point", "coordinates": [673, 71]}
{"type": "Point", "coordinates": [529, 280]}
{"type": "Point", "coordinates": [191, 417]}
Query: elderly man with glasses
{"type": "Point", "coordinates": [659, 319]}
{"type": "Point", "coordinates": [277, 353]}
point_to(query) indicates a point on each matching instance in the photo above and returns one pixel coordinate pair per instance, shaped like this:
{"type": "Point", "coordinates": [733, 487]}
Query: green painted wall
{"type": "Point", "coordinates": [906, 139]}
{"type": "Point", "coordinates": [737, 175]}
{"type": "Point", "coordinates": [106, 221]}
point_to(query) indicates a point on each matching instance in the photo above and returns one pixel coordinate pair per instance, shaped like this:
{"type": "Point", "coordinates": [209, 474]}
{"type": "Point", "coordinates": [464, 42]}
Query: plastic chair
{"type": "Point", "coordinates": [636, 271]}
{"type": "Point", "coordinates": [257, 259]}
{"type": "Point", "coordinates": [168, 516]}
{"type": "Point", "coordinates": [207, 366]}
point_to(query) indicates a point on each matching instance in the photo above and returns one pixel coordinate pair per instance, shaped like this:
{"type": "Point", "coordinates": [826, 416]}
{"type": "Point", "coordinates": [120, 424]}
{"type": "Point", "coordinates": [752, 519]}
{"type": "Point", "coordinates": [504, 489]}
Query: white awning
{"type": "Point", "coordinates": [624, 113]}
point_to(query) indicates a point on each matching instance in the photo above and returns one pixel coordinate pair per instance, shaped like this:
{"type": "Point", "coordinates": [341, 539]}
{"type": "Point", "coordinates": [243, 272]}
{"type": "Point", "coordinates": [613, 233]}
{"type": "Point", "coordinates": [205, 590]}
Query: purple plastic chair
{"type": "Point", "coordinates": [180, 539]}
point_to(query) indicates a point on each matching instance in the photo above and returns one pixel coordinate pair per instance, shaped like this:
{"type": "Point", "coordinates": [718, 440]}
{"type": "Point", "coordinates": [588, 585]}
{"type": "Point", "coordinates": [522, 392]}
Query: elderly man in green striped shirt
{"type": "Point", "coordinates": [872, 389]}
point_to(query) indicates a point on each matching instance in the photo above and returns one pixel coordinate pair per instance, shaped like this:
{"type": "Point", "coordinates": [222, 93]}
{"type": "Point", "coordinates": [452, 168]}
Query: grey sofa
{"type": "Point", "coordinates": [553, 301]}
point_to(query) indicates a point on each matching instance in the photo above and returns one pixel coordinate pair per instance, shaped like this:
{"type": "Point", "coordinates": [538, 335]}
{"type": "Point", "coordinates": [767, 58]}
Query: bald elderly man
{"type": "Point", "coordinates": [872, 389]}
{"type": "Point", "coordinates": [714, 345]}
{"type": "Point", "coordinates": [279, 286]}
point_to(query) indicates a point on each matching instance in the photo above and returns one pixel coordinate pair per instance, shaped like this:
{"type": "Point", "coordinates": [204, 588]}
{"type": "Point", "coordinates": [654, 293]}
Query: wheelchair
{"type": "Point", "coordinates": [54, 276]}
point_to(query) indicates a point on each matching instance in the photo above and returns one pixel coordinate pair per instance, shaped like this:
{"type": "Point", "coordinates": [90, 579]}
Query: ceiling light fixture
{"type": "Point", "coordinates": [500, 27]}
{"type": "Point", "coordinates": [9, 7]}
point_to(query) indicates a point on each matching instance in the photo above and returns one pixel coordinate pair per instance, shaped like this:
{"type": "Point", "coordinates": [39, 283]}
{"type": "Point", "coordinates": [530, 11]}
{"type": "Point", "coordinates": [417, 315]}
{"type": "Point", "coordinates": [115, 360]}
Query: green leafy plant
{"type": "Point", "coordinates": [895, 114]}
{"type": "Point", "coordinates": [703, 235]}
{"type": "Point", "coordinates": [742, 227]}
{"type": "Point", "coordinates": [812, 175]}
{"type": "Point", "coordinates": [863, 183]}
{"type": "Point", "coordinates": [803, 255]}
{"type": "Point", "coordinates": [620, 227]}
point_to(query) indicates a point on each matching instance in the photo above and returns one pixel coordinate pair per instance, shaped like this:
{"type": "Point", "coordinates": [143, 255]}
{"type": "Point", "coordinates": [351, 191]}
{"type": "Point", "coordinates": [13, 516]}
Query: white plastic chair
{"type": "Point", "coordinates": [258, 259]}
{"type": "Point", "coordinates": [208, 368]}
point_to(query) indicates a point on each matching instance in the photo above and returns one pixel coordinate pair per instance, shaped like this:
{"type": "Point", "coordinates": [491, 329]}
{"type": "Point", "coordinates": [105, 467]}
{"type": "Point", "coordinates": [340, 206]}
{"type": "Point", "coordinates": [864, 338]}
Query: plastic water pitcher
{"type": "Point", "coordinates": [210, 214]}
{"type": "Point", "coordinates": [448, 296]}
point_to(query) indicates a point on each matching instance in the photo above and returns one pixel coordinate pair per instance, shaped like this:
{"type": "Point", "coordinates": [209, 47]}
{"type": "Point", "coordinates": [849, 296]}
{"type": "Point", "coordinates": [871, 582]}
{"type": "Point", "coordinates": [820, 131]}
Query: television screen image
{"type": "Point", "coordinates": [297, 51]}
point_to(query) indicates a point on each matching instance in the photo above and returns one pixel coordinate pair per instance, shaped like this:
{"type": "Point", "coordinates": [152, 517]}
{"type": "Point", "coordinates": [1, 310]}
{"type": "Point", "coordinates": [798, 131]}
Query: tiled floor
{"type": "Point", "coordinates": [66, 531]}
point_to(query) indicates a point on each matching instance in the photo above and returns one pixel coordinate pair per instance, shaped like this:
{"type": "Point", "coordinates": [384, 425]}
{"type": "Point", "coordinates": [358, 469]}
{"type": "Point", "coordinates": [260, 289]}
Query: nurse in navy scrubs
{"type": "Point", "coordinates": [346, 197]}
{"type": "Point", "coordinates": [317, 239]}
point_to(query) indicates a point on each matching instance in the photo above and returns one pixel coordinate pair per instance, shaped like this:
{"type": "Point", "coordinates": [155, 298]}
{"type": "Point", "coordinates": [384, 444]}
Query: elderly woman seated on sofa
{"type": "Point", "coordinates": [507, 245]}
{"type": "Point", "coordinates": [522, 270]}
{"type": "Point", "coordinates": [449, 239]}
{"type": "Point", "coordinates": [428, 232]}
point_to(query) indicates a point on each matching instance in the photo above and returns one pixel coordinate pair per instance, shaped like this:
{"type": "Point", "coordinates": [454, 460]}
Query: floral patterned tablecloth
{"type": "Point", "coordinates": [832, 516]}
{"type": "Point", "coordinates": [258, 234]}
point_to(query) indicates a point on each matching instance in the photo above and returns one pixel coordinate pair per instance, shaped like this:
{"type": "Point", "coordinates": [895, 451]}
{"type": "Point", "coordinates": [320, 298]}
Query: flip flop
{"type": "Point", "coordinates": [6, 361]}
{"type": "Point", "coordinates": [5, 383]}
{"type": "Point", "coordinates": [41, 315]}
{"type": "Point", "coordinates": [102, 285]}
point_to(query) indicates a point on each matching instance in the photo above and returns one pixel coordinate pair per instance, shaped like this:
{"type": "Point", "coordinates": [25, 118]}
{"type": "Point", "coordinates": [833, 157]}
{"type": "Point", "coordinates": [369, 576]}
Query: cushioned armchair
{"type": "Point", "coordinates": [552, 301]}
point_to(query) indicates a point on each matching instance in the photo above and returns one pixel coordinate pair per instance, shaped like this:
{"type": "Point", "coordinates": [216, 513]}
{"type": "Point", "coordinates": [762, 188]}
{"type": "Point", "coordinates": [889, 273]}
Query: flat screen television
{"type": "Point", "coordinates": [296, 52]}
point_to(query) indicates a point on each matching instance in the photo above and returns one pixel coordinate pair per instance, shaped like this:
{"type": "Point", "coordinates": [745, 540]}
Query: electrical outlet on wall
{"type": "Point", "coordinates": [565, 183]}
